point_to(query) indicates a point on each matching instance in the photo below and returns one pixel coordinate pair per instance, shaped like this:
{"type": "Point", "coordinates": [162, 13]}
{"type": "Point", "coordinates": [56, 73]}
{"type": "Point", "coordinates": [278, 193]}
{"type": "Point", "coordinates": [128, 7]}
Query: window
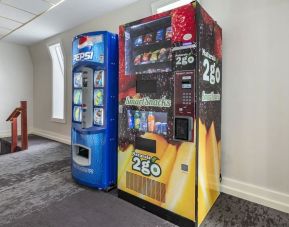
{"type": "Point", "coordinates": [58, 82]}
{"type": "Point", "coordinates": [165, 5]}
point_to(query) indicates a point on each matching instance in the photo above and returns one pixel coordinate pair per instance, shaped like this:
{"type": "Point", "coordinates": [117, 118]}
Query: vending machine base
{"type": "Point", "coordinates": [84, 183]}
{"type": "Point", "coordinates": [163, 213]}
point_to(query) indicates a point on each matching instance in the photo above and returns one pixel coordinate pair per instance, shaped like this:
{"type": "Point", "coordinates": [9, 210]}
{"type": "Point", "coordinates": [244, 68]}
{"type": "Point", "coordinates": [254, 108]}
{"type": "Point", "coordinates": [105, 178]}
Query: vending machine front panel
{"type": "Point", "coordinates": [157, 153]}
{"type": "Point", "coordinates": [94, 109]}
{"type": "Point", "coordinates": [170, 113]}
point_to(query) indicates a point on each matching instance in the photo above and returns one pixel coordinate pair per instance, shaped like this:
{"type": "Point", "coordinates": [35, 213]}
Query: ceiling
{"type": "Point", "coordinates": [30, 21]}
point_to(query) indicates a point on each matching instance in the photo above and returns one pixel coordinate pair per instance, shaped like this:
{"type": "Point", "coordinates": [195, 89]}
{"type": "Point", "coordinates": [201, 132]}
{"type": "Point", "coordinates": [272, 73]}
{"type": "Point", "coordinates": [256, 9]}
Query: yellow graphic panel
{"type": "Point", "coordinates": [209, 170]}
{"type": "Point", "coordinates": [165, 178]}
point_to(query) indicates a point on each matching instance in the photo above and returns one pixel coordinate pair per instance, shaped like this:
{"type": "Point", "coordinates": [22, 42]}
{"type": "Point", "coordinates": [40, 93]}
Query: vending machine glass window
{"type": "Point", "coordinates": [77, 80]}
{"type": "Point", "coordinates": [148, 47]}
{"type": "Point", "coordinates": [77, 96]}
{"type": "Point", "coordinates": [98, 112]}
{"type": "Point", "coordinates": [77, 114]}
{"type": "Point", "coordinates": [99, 78]}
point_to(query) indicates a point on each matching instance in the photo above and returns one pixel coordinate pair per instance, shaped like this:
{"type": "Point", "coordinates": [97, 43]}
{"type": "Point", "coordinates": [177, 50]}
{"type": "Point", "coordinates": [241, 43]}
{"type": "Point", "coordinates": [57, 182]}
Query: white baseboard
{"type": "Point", "coordinates": [250, 192]}
{"type": "Point", "coordinates": [52, 135]}
{"type": "Point", "coordinates": [7, 133]}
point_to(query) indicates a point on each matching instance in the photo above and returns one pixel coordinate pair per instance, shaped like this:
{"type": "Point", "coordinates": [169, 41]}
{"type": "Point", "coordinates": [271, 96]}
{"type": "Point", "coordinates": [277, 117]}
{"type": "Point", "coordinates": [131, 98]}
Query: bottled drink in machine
{"type": "Point", "coordinates": [130, 119]}
{"type": "Point", "coordinates": [151, 122]}
{"type": "Point", "coordinates": [143, 122]}
{"type": "Point", "coordinates": [137, 120]}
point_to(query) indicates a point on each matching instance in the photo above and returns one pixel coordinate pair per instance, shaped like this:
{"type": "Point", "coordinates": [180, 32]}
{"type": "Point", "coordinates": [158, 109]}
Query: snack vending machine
{"type": "Point", "coordinates": [94, 109]}
{"type": "Point", "coordinates": [169, 144]}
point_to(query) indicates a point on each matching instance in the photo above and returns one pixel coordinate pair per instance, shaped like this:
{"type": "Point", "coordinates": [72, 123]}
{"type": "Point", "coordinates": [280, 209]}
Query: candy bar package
{"type": "Point", "coordinates": [169, 33]}
{"type": "Point", "coordinates": [160, 35]}
{"type": "Point", "coordinates": [146, 57]}
{"type": "Point", "coordinates": [163, 54]}
{"type": "Point", "coordinates": [137, 59]}
{"type": "Point", "coordinates": [138, 41]}
{"type": "Point", "coordinates": [154, 56]}
{"type": "Point", "coordinates": [148, 38]}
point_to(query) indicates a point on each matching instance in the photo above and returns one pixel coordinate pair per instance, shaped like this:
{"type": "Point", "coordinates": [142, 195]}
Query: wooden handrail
{"type": "Point", "coordinates": [14, 114]}
{"type": "Point", "coordinates": [22, 110]}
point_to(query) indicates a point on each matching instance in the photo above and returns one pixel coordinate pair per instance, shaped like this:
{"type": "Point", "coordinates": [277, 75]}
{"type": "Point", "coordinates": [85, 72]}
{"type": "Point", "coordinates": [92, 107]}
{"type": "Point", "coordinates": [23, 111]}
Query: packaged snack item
{"type": "Point", "coordinates": [169, 33]}
{"type": "Point", "coordinates": [138, 41]}
{"type": "Point", "coordinates": [160, 35]}
{"type": "Point", "coordinates": [169, 53]}
{"type": "Point", "coordinates": [163, 54]}
{"type": "Point", "coordinates": [148, 38]}
{"type": "Point", "coordinates": [137, 59]}
{"type": "Point", "coordinates": [154, 55]}
{"type": "Point", "coordinates": [146, 57]}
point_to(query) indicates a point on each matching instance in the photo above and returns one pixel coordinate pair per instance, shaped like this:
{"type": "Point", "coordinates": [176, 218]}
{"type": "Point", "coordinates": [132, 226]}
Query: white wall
{"type": "Point", "coordinates": [16, 83]}
{"type": "Point", "coordinates": [255, 123]}
{"type": "Point", "coordinates": [42, 67]}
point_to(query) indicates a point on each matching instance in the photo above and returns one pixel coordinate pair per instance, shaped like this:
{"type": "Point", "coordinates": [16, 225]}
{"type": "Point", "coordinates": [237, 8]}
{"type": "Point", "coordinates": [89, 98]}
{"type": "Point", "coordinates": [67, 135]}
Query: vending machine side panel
{"type": "Point", "coordinates": [209, 92]}
{"type": "Point", "coordinates": [112, 108]}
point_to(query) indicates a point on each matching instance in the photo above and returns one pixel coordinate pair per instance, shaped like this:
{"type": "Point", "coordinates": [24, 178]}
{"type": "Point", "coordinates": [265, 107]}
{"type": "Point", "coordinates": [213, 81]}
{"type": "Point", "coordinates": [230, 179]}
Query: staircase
{"type": "Point", "coordinates": [5, 146]}
{"type": "Point", "coordinates": [10, 144]}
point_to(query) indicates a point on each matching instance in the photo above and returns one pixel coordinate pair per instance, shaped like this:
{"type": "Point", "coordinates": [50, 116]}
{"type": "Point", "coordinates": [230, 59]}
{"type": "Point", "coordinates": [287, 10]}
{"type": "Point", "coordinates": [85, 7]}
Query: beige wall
{"type": "Point", "coordinates": [255, 114]}
{"type": "Point", "coordinates": [42, 66]}
{"type": "Point", "coordinates": [255, 123]}
{"type": "Point", "coordinates": [16, 83]}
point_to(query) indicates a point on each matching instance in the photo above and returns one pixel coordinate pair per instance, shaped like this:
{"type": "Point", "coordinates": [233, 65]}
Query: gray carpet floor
{"type": "Point", "coordinates": [36, 189]}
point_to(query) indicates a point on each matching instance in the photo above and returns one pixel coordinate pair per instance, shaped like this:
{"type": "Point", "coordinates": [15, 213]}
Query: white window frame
{"type": "Point", "coordinates": [156, 6]}
{"type": "Point", "coordinates": [58, 120]}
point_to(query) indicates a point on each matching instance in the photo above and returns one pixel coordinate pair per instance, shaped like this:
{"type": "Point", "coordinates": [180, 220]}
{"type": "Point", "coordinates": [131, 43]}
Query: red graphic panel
{"type": "Point", "coordinates": [184, 24]}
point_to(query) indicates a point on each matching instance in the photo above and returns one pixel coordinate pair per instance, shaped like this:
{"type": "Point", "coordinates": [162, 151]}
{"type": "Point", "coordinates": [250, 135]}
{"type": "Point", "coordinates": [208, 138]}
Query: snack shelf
{"type": "Point", "coordinates": [152, 44]}
{"type": "Point", "coordinates": [151, 63]}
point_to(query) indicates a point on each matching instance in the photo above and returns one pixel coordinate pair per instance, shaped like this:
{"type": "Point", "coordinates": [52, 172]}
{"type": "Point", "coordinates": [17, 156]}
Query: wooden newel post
{"type": "Point", "coordinates": [24, 134]}
{"type": "Point", "coordinates": [13, 119]}
{"type": "Point", "coordinates": [14, 138]}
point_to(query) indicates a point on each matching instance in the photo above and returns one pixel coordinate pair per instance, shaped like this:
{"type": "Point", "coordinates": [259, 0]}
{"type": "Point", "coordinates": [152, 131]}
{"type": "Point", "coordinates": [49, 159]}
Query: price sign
{"type": "Point", "coordinates": [184, 58]}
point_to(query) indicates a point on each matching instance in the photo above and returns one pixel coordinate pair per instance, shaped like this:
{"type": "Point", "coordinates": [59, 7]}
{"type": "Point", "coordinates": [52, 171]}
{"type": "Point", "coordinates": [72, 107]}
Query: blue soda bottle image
{"type": "Point", "coordinates": [158, 128]}
{"type": "Point", "coordinates": [137, 120]}
{"type": "Point", "coordinates": [164, 128]}
{"type": "Point", "coordinates": [130, 119]}
{"type": "Point", "coordinates": [143, 122]}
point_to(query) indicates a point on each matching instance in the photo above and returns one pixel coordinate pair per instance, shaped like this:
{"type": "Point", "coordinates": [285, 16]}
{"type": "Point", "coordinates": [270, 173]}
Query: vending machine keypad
{"type": "Point", "coordinates": [184, 92]}
{"type": "Point", "coordinates": [187, 98]}
{"type": "Point", "coordinates": [184, 105]}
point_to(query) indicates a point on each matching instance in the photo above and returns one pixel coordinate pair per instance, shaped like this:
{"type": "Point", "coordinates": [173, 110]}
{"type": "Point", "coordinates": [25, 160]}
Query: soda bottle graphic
{"type": "Point", "coordinates": [143, 122]}
{"type": "Point", "coordinates": [137, 120]}
{"type": "Point", "coordinates": [164, 128]}
{"type": "Point", "coordinates": [158, 128]}
{"type": "Point", "coordinates": [130, 119]}
{"type": "Point", "coordinates": [151, 122]}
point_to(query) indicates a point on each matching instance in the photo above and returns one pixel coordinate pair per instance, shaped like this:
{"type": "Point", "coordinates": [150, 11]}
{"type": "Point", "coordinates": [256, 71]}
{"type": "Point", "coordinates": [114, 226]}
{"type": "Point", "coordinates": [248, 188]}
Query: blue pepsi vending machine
{"type": "Point", "coordinates": [94, 109]}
